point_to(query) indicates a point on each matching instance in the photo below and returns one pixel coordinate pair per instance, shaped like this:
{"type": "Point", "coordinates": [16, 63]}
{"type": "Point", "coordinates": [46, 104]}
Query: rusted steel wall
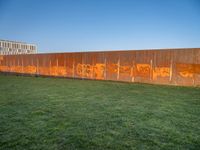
{"type": "Point", "coordinates": [170, 66]}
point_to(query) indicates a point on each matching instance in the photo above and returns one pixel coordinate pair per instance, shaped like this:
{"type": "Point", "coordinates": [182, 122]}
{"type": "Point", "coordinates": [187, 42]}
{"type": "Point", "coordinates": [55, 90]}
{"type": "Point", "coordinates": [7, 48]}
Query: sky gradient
{"type": "Point", "coordinates": [85, 25]}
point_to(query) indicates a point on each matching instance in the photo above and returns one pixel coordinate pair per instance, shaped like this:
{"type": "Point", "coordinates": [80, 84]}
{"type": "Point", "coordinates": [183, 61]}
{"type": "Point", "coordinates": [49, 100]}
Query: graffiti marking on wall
{"type": "Point", "coordinates": [30, 69]}
{"type": "Point", "coordinates": [143, 70]}
{"type": "Point", "coordinates": [88, 70]}
{"type": "Point", "coordinates": [188, 70]}
{"type": "Point", "coordinates": [112, 67]}
{"type": "Point", "coordinates": [181, 67]}
{"type": "Point", "coordinates": [185, 70]}
{"type": "Point", "coordinates": [161, 72]}
{"type": "Point", "coordinates": [99, 71]}
{"type": "Point", "coordinates": [60, 71]}
{"type": "Point", "coordinates": [125, 70]}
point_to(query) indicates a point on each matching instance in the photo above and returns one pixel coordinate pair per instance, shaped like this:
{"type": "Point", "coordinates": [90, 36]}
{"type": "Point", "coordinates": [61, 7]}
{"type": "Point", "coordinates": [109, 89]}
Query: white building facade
{"type": "Point", "coordinates": [12, 48]}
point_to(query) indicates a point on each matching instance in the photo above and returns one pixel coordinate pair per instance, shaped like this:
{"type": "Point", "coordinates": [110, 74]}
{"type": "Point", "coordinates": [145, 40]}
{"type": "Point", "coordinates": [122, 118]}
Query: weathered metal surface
{"type": "Point", "coordinates": [170, 66]}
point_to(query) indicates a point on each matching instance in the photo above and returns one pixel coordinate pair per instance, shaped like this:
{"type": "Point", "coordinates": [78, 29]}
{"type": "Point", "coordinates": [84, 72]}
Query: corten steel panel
{"type": "Point", "coordinates": [44, 67]}
{"type": "Point", "coordinates": [48, 63]}
{"type": "Point", "coordinates": [53, 64]}
{"type": "Point", "coordinates": [127, 66]}
{"type": "Point", "coordinates": [2, 63]}
{"type": "Point", "coordinates": [144, 62]}
{"type": "Point", "coordinates": [99, 66]}
{"type": "Point", "coordinates": [41, 64]}
{"type": "Point", "coordinates": [35, 63]}
{"type": "Point", "coordinates": [9, 62]}
{"type": "Point", "coordinates": [112, 65]}
{"type": "Point", "coordinates": [5, 64]}
{"type": "Point", "coordinates": [183, 67]}
{"type": "Point", "coordinates": [162, 67]}
{"type": "Point", "coordinates": [69, 63]}
{"type": "Point", "coordinates": [178, 66]}
{"type": "Point", "coordinates": [19, 64]}
{"type": "Point", "coordinates": [14, 62]}
{"type": "Point", "coordinates": [28, 64]}
{"type": "Point", "coordinates": [78, 67]}
{"type": "Point", "coordinates": [61, 62]}
{"type": "Point", "coordinates": [197, 67]}
{"type": "Point", "coordinates": [87, 65]}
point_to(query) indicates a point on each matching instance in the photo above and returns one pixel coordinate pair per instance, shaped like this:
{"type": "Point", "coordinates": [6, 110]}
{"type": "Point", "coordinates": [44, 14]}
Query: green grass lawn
{"type": "Point", "coordinates": [51, 113]}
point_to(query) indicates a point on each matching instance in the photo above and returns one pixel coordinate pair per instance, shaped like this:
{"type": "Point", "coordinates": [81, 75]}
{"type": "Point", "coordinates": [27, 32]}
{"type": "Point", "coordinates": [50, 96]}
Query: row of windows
{"type": "Point", "coordinates": [12, 53]}
{"type": "Point", "coordinates": [8, 53]}
{"type": "Point", "coordinates": [15, 51]}
{"type": "Point", "coordinates": [17, 46]}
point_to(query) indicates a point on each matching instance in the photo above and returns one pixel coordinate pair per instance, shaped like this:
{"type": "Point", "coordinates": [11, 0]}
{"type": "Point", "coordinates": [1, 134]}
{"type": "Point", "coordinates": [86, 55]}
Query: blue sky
{"type": "Point", "coordinates": [84, 25]}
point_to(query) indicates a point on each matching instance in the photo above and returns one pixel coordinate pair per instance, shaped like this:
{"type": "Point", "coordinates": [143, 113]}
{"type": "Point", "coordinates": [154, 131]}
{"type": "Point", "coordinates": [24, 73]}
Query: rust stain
{"type": "Point", "coordinates": [43, 70]}
{"type": "Point", "coordinates": [112, 67]}
{"type": "Point", "coordinates": [161, 72]}
{"type": "Point", "coordinates": [125, 70]}
{"type": "Point", "coordinates": [18, 69]}
{"type": "Point", "coordinates": [197, 68]}
{"type": "Point", "coordinates": [57, 71]}
{"type": "Point", "coordinates": [69, 71]}
{"type": "Point", "coordinates": [188, 70]}
{"type": "Point", "coordinates": [4, 68]}
{"type": "Point", "coordinates": [143, 70]}
{"type": "Point", "coordinates": [30, 69]}
{"type": "Point", "coordinates": [99, 70]}
{"type": "Point", "coordinates": [88, 70]}
{"type": "Point", "coordinates": [185, 70]}
{"type": "Point", "coordinates": [79, 69]}
{"type": "Point", "coordinates": [1, 58]}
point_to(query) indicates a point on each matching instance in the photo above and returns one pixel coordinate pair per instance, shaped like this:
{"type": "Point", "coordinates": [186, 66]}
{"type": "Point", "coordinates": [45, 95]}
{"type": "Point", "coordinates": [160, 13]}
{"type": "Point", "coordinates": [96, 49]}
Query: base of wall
{"type": "Point", "coordinates": [76, 78]}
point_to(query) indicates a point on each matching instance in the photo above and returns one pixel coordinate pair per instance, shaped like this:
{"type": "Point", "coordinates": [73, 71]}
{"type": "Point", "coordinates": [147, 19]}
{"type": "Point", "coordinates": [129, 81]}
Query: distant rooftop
{"type": "Point", "coordinates": [16, 41]}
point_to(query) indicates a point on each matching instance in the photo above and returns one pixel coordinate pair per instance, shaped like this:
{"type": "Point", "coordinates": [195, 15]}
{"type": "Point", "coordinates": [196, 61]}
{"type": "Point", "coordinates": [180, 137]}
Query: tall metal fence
{"type": "Point", "coordinates": [170, 66]}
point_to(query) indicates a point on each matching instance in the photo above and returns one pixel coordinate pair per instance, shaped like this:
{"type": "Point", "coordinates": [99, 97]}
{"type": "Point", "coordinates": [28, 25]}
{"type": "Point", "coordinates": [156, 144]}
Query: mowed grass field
{"type": "Point", "coordinates": [54, 113]}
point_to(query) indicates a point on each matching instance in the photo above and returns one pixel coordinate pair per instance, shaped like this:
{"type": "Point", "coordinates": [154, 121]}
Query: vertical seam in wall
{"type": "Point", "coordinates": [151, 69]}
{"type": "Point", "coordinates": [82, 68]}
{"type": "Point", "coordinates": [9, 66]}
{"type": "Point", "coordinates": [73, 66]}
{"type": "Point", "coordinates": [105, 61]}
{"type": "Point", "coordinates": [44, 63]}
{"type": "Point", "coordinates": [171, 70]}
{"type": "Point", "coordinates": [50, 67]}
{"type": "Point", "coordinates": [56, 65]}
{"type": "Point", "coordinates": [194, 62]}
{"type": "Point", "coordinates": [37, 67]}
{"type": "Point", "coordinates": [22, 65]}
{"type": "Point", "coordinates": [132, 76]}
{"type": "Point", "coordinates": [118, 66]}
{"type": "Point", "coordinates": [14, 66]}
{"type": "Point", "coordinates": [93, 67]}
{"type": "Point", "coordinates": [65, 68]}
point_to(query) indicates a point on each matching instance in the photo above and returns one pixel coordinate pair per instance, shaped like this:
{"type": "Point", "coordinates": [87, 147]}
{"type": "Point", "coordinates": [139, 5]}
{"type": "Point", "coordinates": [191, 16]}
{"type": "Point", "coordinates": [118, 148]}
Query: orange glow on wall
{"type": "Point", "coordinates": [171, 66]}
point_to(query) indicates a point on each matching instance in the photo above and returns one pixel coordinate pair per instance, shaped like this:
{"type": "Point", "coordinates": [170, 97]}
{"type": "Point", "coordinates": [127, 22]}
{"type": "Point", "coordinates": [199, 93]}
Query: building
{"type": "Point", "coordinates": [12, 47]}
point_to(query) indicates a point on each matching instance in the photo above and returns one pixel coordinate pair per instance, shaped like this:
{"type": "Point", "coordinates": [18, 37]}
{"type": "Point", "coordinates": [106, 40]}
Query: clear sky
{"type": "Point", "coordinates": [84, 25]}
